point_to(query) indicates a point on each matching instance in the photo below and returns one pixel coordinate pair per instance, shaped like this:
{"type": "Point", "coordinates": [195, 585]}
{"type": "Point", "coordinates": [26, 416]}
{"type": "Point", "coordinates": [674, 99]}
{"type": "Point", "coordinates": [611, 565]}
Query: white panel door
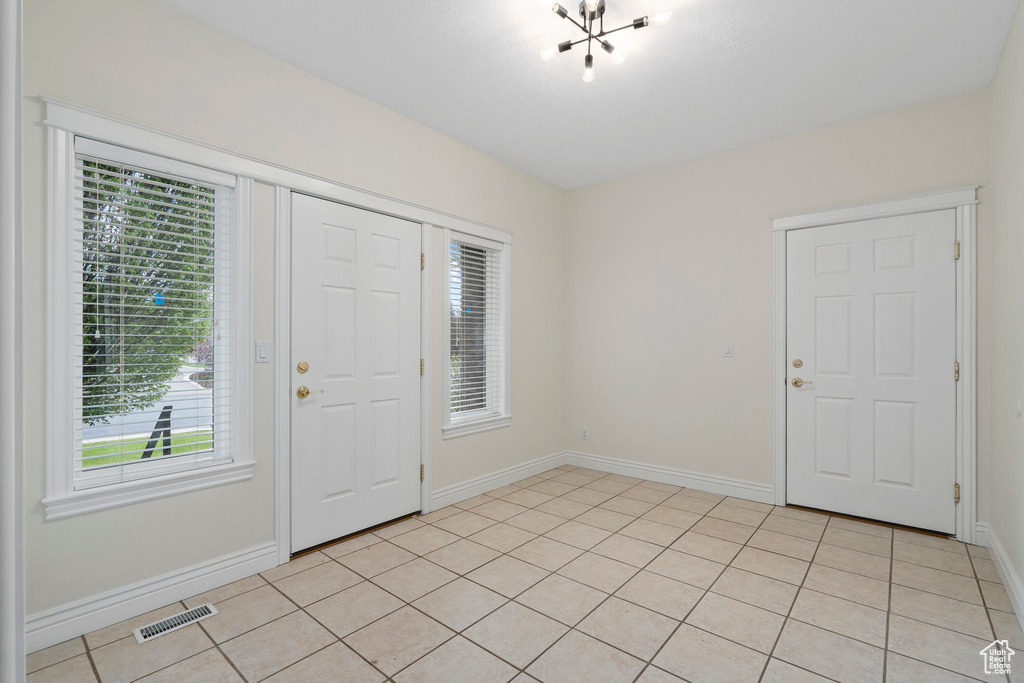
{"type": "Point", "coordinates": [355, 316]}
{"type": "Point", "coordinates": [871, 331]}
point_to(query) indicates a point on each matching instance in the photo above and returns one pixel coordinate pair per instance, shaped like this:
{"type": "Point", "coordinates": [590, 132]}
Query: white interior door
{"type": "Point", "coordinates": [871, 331]}
{"type": "Point", "coordinates": [355, 316]}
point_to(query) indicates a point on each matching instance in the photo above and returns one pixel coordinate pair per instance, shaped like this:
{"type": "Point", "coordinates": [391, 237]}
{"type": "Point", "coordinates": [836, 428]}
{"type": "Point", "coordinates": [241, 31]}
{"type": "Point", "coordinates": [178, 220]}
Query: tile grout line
{"type": "Point", "coordinates": [984, 603]}
{"type": "Point", "coordinates": [796, 596]}
{"type": "Point", "coordinates": [223, 654]}
{"type": "Point", "coordinates": [888, 608]}
{"type": "Point", "coordinates": [88, 654]}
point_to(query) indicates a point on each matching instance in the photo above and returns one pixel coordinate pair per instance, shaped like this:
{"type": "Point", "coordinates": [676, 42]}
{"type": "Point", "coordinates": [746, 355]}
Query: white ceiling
{"type": "Point", "coordinates": [721, 74]}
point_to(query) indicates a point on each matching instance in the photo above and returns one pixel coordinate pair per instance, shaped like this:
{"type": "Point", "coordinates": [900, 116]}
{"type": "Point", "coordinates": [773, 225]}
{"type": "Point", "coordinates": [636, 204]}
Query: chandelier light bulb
{"type": "Point", "coordinates": [588, 69]}
{"type": "Point", "coordinates": [662, 18]}
{"type": "Point", "coordinates": [548, 52]}
{"type": "Point", "coordinates": [618, 57]}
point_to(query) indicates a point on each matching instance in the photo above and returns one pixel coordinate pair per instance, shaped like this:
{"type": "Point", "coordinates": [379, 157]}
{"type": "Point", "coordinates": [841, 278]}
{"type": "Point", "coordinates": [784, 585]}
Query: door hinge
{"type": "Point", "coordinates": [421, 479]}
{"type": "Point", "coordinates": [956, 371]}
{"type": "Point", "coordinates": [423, 259]}
{"type": "Point", "coordinates": [956, 250]}
{"type": "Point", "coordinates": [421, 367]}
{"type": "Point", "coordinates": [956, 493]}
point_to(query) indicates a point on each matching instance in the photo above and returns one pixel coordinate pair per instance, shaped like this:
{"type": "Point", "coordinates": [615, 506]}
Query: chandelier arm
{"type": "Point", "coordinates": [614, 30]}
{"type": "Point", "coordinates": [578, 25]}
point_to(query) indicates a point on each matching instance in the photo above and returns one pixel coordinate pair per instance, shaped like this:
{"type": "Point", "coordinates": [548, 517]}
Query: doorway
{"type": "Point", "coordinates": [354, 369]}
{"type": "Point", "coordinates": [874, 380]}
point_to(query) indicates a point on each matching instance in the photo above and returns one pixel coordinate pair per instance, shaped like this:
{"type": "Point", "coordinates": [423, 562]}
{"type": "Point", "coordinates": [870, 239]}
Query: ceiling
{"type": "Point", "coordinates": [721, 74]}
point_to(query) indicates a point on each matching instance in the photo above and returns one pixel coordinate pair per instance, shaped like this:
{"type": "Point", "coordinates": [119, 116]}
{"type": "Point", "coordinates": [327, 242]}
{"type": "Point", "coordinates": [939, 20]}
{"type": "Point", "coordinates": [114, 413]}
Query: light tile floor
{"type": "Point", "coordinates": [577, 575]}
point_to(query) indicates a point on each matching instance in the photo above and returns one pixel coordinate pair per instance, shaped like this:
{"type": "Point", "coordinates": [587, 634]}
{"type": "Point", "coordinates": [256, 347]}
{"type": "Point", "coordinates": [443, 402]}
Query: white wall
{"type": "Point", "coordinates": [664, 266]}
{"type": "Point", "coordinates": [1008, 284]}
{"type": "Point", "coordinates": [151, 65]}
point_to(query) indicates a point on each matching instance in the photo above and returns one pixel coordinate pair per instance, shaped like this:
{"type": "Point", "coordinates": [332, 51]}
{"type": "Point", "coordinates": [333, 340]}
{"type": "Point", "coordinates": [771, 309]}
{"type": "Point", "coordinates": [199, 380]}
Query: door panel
{"type": "Point", "coordinates": [355, 318]}
{"type": "Point", "coordinates": [871, 315]}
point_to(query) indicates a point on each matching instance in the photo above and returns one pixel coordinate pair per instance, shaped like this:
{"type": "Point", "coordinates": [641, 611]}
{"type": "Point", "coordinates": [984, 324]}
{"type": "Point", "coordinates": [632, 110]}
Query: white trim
{"type": "Point", "coordinates": [779, 372]}
{"type": "Point", "coordinates": [483, 424]}
{"type": "Point", "coordinates": [98, 125]}
{"type": "Point", "coordinates": [981, 534]}
{"type": "Point", "coordinates": [132, 157]}
{"type": "Point", "coordinates": [466, 425]}
{"type": "Point", "coordinates": [737, 488]}
{"type": "Point", "coordinates": [456, 493]}
{"type": "Point", "coordinates": [12, 556]}
{"type": "Point", "coordinates": [1011, 579]}
{"type": "Point", "coordinates": [130, 492]}
{"type": "Point", "coordinates": [967, 387]}
{"type": "Point", "coordinates": [964, 200]}
{"type": "Point", "coordinates": [898, 206]}
{"type": "Point", "coordinates": [62, 499]}
{"type": "Point", "coordinates": [427, 275]}
{"type": "Point", "coordinates": [56, 625]}
{"type": "Point", "coordinates": [282, 373]}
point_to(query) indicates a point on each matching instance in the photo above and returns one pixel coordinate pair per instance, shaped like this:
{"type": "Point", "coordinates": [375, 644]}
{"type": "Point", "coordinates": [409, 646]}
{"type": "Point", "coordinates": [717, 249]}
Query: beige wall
{"type": "Point", "coordinates": [622, 292]}
{"type": "Point", "coordinates": [1008, 285]}
{"type": "Point", "coordinates": [664, 266]}
{"type": "Point", "coordinates": [151, 65]}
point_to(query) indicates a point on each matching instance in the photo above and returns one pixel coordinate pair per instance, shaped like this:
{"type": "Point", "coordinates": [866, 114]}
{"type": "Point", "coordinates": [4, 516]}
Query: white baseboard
{"type": "Point", "coordinates": [981, 534]}
{"type": "Point", "coordinates": [456, 493]}
{"type": "Point", "coordinates": [762, 493]}
{"type": "Point", "coordinates": [56, 625]}
{"type": "Point", "coordinates": [737, 488]}
{"type": "Point", "coordinates": [1011, 579]}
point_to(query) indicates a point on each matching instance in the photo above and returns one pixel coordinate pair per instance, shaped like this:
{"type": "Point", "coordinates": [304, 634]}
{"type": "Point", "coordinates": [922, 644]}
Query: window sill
{"type": "Point", "coordinates": [475, 426]}
{"type": "Point", "coordinates": [128, 493]}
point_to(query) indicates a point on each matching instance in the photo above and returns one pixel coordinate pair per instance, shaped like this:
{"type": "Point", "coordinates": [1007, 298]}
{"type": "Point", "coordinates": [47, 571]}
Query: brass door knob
{"type": "Point", "coordinates": [797, 382]}
{"type": "Point", "coordinates": [304, 392]}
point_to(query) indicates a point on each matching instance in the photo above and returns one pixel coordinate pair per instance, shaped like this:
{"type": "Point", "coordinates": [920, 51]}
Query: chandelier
{"type": "Point", "coordinates": [592, 16]}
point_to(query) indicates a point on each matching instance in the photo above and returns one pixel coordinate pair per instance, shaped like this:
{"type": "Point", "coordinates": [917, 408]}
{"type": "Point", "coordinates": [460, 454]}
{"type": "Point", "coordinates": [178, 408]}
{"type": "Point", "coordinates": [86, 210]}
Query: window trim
{"type": "Point", "coordinates": [474, 424]}
{"type": "Point", "coordinates": [62, 500]}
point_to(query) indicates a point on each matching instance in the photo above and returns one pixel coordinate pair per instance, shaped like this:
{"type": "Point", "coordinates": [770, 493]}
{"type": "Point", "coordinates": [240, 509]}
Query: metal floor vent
{"type": "Point", "coordinates": [173, 623]}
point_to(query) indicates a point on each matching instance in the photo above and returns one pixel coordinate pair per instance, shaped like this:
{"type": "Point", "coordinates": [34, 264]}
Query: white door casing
{"type": "Point", "coordinates": [355, 316]}
{"type": "Point", "coordinates": [871, 314]}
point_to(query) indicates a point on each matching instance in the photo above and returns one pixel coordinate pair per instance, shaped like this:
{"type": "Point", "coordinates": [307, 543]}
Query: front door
{"type": "Point", "coordinates": [355, 316]}
{"type": "Point", "coordinates": [871, 346]}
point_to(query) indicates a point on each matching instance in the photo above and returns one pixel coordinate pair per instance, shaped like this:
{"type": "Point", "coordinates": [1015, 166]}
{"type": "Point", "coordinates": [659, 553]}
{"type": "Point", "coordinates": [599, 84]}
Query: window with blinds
{"type": "Point", "coordinates": [477, 331]}
{"type": "Point", "coordinates": [151, 259]}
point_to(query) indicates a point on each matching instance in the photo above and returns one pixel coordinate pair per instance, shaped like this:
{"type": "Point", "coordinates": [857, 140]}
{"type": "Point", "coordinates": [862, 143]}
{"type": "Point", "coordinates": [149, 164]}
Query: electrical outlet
{"type": "Point", "coordinates": [583, 435]}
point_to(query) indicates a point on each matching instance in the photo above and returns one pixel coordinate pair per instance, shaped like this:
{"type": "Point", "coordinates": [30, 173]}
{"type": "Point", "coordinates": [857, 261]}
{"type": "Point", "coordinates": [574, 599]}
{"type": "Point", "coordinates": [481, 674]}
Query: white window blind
{"type": "Point", "coordinates": [152, 296]}
{"type": "Point", "coordinates": [477, 331]}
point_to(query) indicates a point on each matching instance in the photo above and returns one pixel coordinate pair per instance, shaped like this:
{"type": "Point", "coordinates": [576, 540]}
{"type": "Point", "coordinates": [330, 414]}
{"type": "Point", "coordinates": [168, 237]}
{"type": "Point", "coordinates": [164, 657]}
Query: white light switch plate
{"type": "Point", "coordinates": [262, 352]}
{"type": "Point", "coordinates": [727, 349]}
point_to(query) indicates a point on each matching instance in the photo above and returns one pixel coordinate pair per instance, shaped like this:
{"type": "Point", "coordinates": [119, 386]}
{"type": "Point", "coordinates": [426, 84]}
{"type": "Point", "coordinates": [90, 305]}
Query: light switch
{"type": "Point", "coordinates": [262, 352]}
{"type": "Point", "coordinates": [727, 349]}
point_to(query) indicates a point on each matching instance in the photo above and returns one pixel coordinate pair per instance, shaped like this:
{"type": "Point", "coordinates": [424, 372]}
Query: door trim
{"type": "Point", "coordinates": [964, 200]}
{"type": "Point", "coordinates": [281, 353]}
